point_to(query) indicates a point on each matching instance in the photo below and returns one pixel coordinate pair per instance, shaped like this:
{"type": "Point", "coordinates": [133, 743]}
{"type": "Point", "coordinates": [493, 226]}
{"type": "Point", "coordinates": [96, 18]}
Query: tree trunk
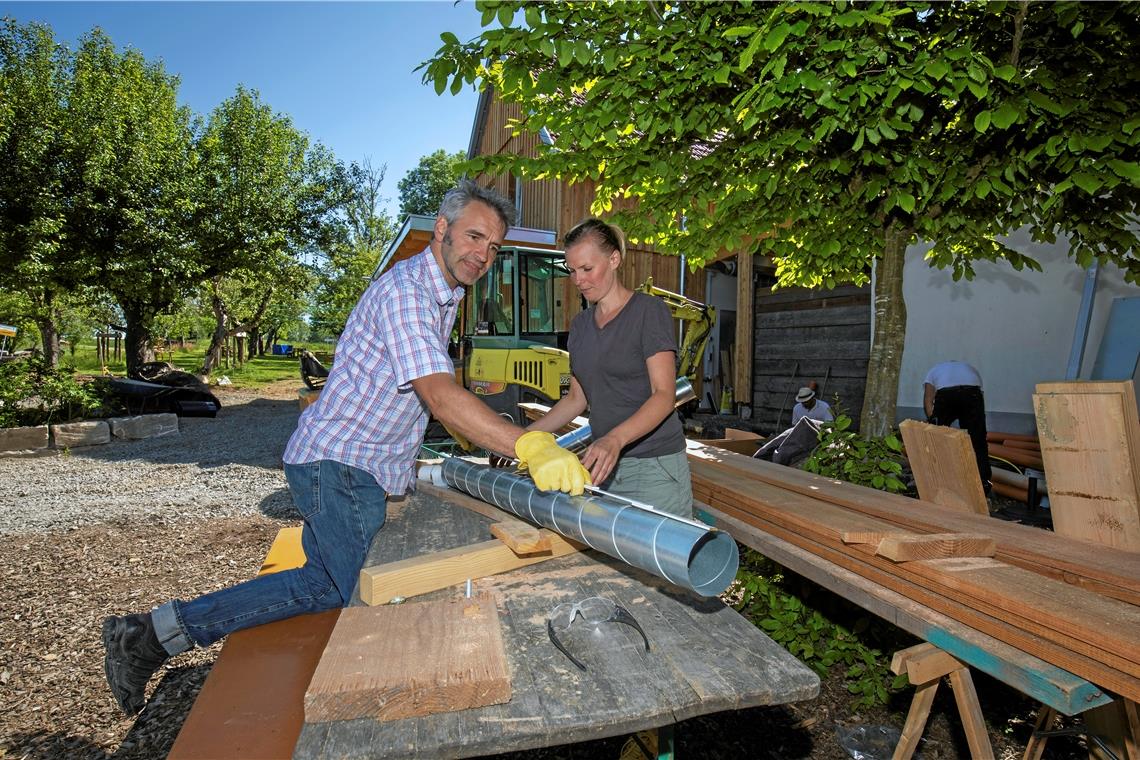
{"type": "Point", "coordinates": [139, 340]}
{"type": "Point", "coordinates": [253, 325]}
{"type": "Point", "coordinates": [45, 319]}
{"type": "Point", "coordinates": [885, 362]}
{"type": "Point", "coordinates": [218, 339]}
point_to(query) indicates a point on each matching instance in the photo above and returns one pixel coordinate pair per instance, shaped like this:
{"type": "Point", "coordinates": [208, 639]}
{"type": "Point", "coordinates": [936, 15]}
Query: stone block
{"type": "Point", "coordinates": [82, 433]}
{"type": "Point", "coordinates": [144, 426]}
{"type": "Point", "coordinates": [24, 438]}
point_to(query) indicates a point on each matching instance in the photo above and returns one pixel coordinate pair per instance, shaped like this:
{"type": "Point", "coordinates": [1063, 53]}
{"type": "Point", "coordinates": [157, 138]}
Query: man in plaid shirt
{"type": "Point", "coordinates": [357, 445]}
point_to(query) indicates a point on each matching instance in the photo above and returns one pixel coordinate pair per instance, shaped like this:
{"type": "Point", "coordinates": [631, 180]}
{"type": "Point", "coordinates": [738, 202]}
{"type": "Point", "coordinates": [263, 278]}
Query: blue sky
{"type": "Point", "coordinates": [342, 71]}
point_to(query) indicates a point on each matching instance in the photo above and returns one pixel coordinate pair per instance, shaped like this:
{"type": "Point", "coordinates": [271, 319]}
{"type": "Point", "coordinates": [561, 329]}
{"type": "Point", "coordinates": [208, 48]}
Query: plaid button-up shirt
{"type": "Point", "coordinates": [368, 416]}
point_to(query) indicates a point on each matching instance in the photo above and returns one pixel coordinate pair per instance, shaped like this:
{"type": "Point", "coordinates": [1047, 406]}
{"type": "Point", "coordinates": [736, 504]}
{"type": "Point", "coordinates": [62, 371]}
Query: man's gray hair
{"type": "Point", "coordinates": [466, 191]}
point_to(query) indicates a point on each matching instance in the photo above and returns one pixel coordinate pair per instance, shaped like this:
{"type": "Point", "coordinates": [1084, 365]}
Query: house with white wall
{"type": "Point", "coordinates": [1017, 328]}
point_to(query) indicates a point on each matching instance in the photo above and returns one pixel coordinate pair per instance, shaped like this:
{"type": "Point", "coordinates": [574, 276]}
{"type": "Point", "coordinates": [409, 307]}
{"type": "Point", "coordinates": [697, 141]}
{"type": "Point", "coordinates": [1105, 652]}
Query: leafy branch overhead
{"type": "Point", "coordinates": [808, 130]}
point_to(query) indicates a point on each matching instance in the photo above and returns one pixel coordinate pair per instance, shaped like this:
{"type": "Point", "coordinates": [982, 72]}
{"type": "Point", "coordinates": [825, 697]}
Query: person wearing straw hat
{"type": "Point", "coordinates": [807, 405]}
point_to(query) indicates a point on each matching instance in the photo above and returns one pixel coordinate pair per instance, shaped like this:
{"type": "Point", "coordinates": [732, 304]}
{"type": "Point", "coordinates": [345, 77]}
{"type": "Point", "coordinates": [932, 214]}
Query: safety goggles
{"type": "Point", "coordinates": [593, 611]}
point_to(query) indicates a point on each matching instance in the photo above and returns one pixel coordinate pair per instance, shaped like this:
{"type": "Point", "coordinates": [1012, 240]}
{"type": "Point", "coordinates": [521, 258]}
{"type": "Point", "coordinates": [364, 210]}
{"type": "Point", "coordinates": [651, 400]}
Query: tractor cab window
{"type": "Point", "coordinates": [490, 301]}
{"type": "Point", "coordinates": [545, 295]}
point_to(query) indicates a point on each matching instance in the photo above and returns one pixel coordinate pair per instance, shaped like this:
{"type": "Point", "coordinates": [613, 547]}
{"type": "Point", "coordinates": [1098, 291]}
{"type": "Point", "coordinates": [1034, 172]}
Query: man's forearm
{"type": "Point", "coordinates": [464, 413]}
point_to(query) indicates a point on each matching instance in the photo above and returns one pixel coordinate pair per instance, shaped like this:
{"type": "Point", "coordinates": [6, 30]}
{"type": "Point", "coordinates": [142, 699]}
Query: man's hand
{"type": "Point", "coordinates": [552, 467]}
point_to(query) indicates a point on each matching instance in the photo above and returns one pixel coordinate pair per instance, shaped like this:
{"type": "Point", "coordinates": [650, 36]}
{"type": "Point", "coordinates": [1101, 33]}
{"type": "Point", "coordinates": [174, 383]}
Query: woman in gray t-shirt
{"type": "Point", "coordinates": [623, 363]}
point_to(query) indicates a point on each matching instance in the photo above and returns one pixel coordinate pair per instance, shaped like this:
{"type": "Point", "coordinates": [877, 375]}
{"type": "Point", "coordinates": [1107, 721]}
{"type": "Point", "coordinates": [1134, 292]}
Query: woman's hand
{"type": "Point", "coordinates": [601, 458]}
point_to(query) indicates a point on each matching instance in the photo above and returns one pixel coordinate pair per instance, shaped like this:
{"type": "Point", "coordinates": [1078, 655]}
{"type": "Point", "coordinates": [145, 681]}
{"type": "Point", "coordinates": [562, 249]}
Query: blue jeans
{"type": "Point", "coordinates": [343, 508]}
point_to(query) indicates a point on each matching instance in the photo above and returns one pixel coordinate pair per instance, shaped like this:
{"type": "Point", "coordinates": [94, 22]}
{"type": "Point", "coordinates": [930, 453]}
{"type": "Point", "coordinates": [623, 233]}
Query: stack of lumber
{"type": "Point", "coordinates": [1041, 593]}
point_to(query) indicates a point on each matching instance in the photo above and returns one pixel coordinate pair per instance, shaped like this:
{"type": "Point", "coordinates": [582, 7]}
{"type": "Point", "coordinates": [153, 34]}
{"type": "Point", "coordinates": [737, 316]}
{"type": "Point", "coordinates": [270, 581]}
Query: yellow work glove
{"type": "Point", "coordinates": [552, 467]}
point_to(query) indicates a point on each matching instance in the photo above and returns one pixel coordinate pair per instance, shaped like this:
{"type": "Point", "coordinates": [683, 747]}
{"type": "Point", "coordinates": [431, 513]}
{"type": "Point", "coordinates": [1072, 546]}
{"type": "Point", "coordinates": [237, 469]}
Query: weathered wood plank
{"type": "Point", "coordinates": [970, 711]}
{"type": "Point", "coordinates": [1090, 446]}
{"type": "Point", "coordinates": [1053, 686]}
{"type": "Point", "coordinates": [855, 314]}
{"type": "Point", "coordinates": [366, 670]}
{"type": "Point", "coordinates": [819, 334]}
{"type": "Point", "coordinates": [1062, 657]}
{"type": "Point", "coordinates": [687, 672]}
{"type": "Point", "coordinates": [945, 468]}
{"type": "Point", "coordinates": [934, 546]}
{"type": "Point", "coordinates": [1111, 572]}
{"type": "Point", "coordinates": [1100, 629]}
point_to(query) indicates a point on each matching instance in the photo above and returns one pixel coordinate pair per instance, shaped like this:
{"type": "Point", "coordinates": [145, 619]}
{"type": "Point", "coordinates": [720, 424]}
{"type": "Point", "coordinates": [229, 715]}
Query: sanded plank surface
{"type": "Point", "coordinates": [945, 468]}
{"type": "Point", "coordinates": [704, 657]}
{"type": "Point", "coordinates": [935, 546]}
{"type": "Point", "coordinates": [1090, 444]}
{"type": "Point", "coordinates": [366, 669]}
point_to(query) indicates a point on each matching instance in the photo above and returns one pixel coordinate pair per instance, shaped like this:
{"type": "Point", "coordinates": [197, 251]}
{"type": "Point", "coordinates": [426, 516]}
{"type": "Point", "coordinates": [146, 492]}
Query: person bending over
{"type": "Point", "coordinates": [357, 445]}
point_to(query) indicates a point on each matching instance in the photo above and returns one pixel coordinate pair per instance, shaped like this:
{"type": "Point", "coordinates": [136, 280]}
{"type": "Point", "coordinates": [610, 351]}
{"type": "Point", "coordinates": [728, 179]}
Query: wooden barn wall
{"type": "Point", "coordinates": [802, 335]}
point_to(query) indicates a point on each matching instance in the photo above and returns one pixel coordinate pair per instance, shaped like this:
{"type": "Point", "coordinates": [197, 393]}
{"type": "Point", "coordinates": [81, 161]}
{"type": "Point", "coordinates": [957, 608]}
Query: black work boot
{"type": "Point", "coordinates": [133, 655]}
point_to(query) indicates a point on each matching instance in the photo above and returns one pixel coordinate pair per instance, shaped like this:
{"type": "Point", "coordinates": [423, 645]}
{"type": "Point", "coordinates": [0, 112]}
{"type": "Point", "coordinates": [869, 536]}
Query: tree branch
{"type": "Point", "coordinates": [1018, 22]}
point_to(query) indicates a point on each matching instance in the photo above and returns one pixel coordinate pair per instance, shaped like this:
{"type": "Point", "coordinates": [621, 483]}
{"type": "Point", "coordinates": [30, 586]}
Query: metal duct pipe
{"type": "Point", "coordinates": [681, 551]}
{"type": "Point", "coordinates": [578, 439]}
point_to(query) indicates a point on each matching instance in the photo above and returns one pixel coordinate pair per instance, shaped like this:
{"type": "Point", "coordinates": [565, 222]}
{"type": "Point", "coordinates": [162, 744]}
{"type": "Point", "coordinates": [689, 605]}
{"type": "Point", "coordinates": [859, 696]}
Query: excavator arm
{"type": "Point", "coordinates": [700, 319]}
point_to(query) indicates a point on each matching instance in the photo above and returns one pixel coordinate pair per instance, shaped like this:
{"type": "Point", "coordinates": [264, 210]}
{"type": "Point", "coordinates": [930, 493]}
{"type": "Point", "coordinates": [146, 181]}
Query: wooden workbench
{"type": "Point", "coordinates": [705, 658]}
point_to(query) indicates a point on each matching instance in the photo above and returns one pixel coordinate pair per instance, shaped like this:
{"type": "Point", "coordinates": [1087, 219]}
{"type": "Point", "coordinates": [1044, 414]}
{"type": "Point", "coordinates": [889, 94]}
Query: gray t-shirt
{"type": "Point", "coordinates": [609, 364]}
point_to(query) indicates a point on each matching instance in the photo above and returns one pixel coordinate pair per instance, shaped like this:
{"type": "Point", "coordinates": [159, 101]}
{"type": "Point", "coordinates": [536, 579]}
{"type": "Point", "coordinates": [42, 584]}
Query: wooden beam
{"type": "Point", "coordinates": [745, 317]}
{"type": "Point", "coordinates": [1035, 747]}
{"type": "Point", "coordinates": [381, 584]}
{"type": "Point", "coordinates": [944, 465]}
{"type": "Point", "coordinates": [411, 660]}
{"type": "Point", "coordinates": [915, 724]}
{"type": "Point", "coordinates": [935, 546]}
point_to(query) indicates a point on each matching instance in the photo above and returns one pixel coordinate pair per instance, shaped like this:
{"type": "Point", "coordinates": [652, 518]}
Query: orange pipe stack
{"type": "Point", "coordinates": [1020, 449]}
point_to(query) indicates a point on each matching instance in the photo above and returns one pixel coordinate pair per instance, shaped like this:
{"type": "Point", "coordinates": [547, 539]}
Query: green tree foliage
{"type": "Point", "coordinates": [130, 184]}
{"type": "Point", "coordinates": [32, 392]}
{"type": "Point", "coordinates": [264, 196]}
{"type": "Point", "coordinates": [831, 135]}
{"type": "Point", "coordinates": [351, 260]}
{"type": "Point", "coordinates": [422, 188]}
{"type": "Point", "coordinates": [31, 197]}
{"type": "Point", "coordinates": [110, 186]}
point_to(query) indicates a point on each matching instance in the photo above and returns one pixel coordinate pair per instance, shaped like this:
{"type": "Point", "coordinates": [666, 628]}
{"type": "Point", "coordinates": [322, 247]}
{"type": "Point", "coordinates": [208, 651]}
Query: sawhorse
{"type": "Point", "coordinates": [925, 665]}
{"type": "Point", "coordinates": [1112, 731]}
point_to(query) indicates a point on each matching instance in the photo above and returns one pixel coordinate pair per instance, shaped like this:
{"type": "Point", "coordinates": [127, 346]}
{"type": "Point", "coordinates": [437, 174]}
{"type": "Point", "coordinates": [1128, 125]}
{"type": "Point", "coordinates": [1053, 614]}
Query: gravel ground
{"type": "Point", "coordinates": [121, 527]}
{"type": "Point", "coordinates": [221, 467]}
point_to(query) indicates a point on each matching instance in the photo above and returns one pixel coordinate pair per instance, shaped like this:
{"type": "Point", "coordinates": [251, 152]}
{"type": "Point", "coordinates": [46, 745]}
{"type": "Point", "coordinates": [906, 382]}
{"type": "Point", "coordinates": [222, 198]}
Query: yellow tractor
{"type": "Point", "coordinates": [514, 325]}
